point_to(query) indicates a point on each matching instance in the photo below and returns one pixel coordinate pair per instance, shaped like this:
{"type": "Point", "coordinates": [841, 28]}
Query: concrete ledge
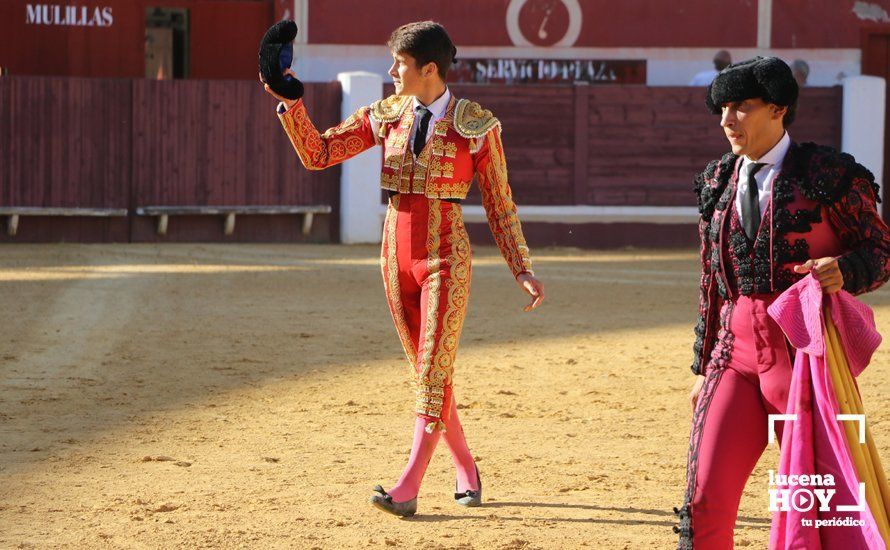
{"type": "Point", "coordinates": [164, 212]}
{"type": "Point", "coordinates": [12, 223]}
{"type": "Point", "coordinates": [60, 211]}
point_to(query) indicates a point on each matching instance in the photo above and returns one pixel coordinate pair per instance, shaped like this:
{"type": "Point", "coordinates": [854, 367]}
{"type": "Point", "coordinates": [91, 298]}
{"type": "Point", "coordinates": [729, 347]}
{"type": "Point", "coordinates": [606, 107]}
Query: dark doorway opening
{"type": "Point", "coordinates": [166, 43]}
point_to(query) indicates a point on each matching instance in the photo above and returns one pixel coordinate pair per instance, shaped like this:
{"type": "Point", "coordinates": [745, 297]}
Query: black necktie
{"type": "Point", "coordinates": [420, 137]}
{"type": "Point", "coordinates": [751, 203]}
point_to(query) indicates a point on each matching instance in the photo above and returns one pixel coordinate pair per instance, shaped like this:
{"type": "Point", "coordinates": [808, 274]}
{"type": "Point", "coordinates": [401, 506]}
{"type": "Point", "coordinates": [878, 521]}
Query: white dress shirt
{"type": "Point", "coordinates": [764, 177]}
{"type": "Point", "coordinates": [437, 107]}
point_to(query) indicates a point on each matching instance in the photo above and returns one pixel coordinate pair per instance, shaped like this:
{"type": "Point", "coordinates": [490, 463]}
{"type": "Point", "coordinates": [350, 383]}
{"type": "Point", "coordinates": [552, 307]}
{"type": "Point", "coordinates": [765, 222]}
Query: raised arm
{"type": "Point", "coordinates": [318, 151]}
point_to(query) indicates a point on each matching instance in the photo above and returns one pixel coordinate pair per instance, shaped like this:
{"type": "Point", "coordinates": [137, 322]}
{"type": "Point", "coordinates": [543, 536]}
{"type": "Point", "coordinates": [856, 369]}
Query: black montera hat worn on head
{"type": "Point", "coordinates": [768, 78]}
{"type": "Point", "coordinates": [276, 55]}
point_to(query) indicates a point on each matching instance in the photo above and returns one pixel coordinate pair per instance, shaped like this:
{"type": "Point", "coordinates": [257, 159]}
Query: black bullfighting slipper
{"type": "Point", "coordinates": [470, 498]}
{"type": "Point", "coordinates": [384, 501]}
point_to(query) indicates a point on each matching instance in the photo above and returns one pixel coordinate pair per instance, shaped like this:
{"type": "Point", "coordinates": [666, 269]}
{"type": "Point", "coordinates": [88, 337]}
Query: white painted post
{"type": "Point", "coordinates": [764, 24]}
{"type": "Point", "coordinates": [301, 18]}
{"type": "Point", "coordinates": [863, 122]}
{"type": "Point", "coordinates": [360, 180]}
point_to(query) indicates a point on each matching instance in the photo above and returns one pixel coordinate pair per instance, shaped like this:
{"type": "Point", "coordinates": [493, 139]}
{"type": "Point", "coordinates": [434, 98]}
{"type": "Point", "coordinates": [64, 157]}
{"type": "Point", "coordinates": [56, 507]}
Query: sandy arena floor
{"type": "Point", "coordinates": [226, 396]}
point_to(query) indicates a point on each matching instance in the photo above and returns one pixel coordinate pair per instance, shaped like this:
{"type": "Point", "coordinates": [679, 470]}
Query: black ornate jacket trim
{"type": "Point", "coordinates": [835, 183]}
{"type": "Point", "coordinates": [862, 233]}
{"type": "Point", "coordinates": [720, 359]}
{"type": "Point", "coordinates": [712, 190]}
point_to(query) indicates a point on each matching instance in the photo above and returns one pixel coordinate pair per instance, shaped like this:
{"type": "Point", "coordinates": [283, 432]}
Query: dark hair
{"type": "Point", "coordinates": [788, 119]}
{"type": "Point", "coordinates": [722, 59]}
{"type": "Point", "coordinates": [425, 41]}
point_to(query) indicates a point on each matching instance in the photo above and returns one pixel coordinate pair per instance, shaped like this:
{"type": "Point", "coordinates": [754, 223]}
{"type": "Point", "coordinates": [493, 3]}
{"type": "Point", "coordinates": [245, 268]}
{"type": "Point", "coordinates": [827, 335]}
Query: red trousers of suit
{"type": "Point", "coordinates": [748, 378]}
{"type": "Point", "coordinates": [425, 260]}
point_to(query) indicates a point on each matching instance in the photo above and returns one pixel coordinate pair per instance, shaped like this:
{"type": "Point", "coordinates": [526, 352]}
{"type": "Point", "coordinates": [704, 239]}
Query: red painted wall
{"type": "Point", "coordinates": [29, 49]}
{"type": "Point", "coordinates": [224, 34]}
{"type": "Point", "coordinates": [605, 23]}
{"type": "Point", "coordinates": [823, 23]}
{"type": "Point", "coordinates": [224, 37]}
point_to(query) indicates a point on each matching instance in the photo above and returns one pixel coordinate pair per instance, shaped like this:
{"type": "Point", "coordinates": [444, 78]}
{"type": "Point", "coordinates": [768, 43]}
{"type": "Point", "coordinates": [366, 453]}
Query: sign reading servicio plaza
{"type": "Point", "coordinates": [549, 71]}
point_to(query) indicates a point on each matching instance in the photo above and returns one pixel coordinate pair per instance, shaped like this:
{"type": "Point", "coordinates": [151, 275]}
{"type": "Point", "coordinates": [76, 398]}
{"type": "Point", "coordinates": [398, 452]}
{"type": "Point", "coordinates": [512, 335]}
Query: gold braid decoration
{"type": "Point", "coordinates": [472, 121]}
{"type": "Point", "coordinates": [454, 288]}
{"type": "Point", "coordinates": [497, 199]}
{"type": "Point", "coordinates": [318, 151]}
{"type": "Point", "coordinates": [458, 293]}
{"type": "Point", "coordinates": [390, 269]}
{"type": "Point", "coordinates": [389, 110]}
{"type": "Point", "coordinates": [430, 382]}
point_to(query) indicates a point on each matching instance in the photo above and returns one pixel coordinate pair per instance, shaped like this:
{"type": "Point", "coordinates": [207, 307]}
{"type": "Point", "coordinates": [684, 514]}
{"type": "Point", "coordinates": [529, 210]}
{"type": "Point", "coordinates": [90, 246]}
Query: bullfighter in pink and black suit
{"type": "Point", "coordinates": [772, 211]}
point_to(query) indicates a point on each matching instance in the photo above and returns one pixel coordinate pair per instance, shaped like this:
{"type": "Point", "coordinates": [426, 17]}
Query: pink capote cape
{"type": "Point", "coordinates": [835, 339]}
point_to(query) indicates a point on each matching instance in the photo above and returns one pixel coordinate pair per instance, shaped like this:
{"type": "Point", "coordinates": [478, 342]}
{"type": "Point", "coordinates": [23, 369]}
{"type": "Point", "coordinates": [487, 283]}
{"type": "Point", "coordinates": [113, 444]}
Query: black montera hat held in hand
{"type": "Point", "coordinates": [768, 78]}
{"type": "Point", "coordinates": [276, 55]}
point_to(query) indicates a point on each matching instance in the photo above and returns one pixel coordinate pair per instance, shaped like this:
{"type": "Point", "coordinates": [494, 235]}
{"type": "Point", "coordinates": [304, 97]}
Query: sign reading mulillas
{"type": "Point", "coordinates": [548, 71]}
{"type": "Point", "coordinates": [72, 16]}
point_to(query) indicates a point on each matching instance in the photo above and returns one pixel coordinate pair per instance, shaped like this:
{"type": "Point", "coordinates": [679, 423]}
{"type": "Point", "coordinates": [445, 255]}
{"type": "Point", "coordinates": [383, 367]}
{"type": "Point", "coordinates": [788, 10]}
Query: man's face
{"type": "Point", "coordinates": [751, 126]}
{"type": "Point", "coordinates": [406, 75]}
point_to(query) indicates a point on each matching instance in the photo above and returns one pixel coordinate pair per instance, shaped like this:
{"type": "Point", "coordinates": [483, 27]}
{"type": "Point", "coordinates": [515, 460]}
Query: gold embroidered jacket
{"type": "Point", "coordinates": [465, 142]}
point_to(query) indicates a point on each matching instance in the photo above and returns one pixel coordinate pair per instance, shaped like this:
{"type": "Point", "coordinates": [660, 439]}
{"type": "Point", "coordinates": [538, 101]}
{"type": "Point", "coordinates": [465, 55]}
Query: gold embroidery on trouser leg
{"type": "Point", "coordinates": [458, 294]}
{"type": "Point", "coordinates": [430, 384]}
{"type": "Point", "coordinates": [391, 282]}
{"type": "Point", "coordinates": [454, 288]}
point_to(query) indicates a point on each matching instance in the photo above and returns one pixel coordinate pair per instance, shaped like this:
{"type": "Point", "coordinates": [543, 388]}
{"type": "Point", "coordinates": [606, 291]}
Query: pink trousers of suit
{"type": "Point", "coordinates": [733, 405]}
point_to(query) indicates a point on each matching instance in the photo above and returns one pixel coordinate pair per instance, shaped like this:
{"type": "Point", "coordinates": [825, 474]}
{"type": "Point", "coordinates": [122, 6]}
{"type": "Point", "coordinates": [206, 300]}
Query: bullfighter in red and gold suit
{"type": "Point", "coordinates": [433, 146]}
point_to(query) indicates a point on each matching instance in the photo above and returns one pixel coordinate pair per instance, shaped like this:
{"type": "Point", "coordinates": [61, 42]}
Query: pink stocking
{"type": "Point", "coordinates": [421, 453]}
{"type": "Point", "coordinates": [460, 453]}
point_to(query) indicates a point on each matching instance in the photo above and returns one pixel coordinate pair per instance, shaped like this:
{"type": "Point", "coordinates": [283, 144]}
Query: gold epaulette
{"type": "Point", "coordinates": [389, 109]}
{"type": "Point", "coordinates": [471, 120]}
